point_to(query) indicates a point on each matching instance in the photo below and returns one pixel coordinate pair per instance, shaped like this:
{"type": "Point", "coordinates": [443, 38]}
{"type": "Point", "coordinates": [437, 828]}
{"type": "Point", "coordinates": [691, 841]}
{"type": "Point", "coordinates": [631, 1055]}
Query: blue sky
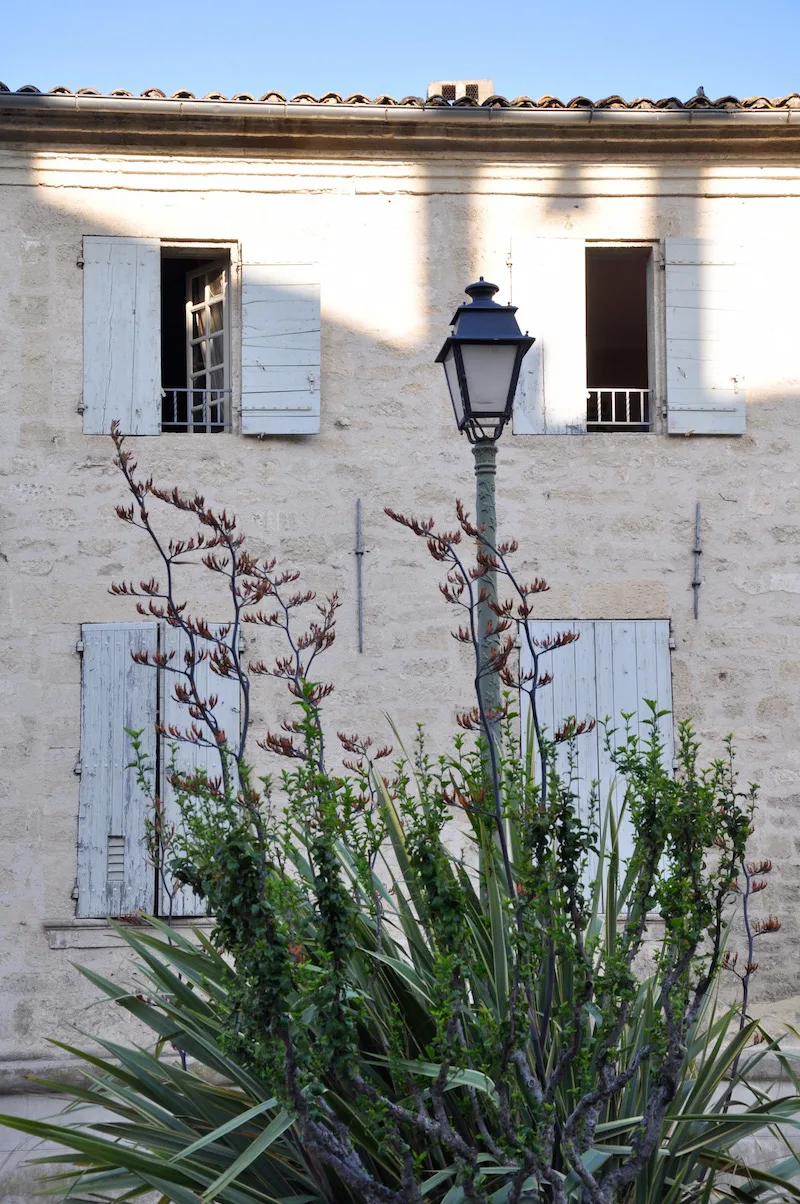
{"type": "Point", "coordinates": [395, 46]}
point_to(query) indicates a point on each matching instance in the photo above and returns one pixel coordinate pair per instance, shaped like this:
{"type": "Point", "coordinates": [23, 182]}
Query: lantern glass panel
{"type": "Point", "coordinates": [451, 372]}
{"type": "Point", "coordinates": [488, 371]}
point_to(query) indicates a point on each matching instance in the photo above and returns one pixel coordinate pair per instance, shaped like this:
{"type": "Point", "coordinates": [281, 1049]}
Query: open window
{"type": "Point", "coordinates": [158, 346]}
{"type": "Point", "coordinates": [617, 359]}
{"type": "Point", "coordinates": [195, 342]}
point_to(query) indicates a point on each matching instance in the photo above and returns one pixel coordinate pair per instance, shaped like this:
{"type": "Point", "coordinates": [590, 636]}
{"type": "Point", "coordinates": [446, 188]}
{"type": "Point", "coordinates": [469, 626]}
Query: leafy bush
{"type": "Point", "coordinates": [424, 983]}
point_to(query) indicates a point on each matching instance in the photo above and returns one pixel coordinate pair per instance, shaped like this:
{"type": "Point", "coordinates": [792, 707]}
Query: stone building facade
{"type": "Point", "coordinates": [374, 215]}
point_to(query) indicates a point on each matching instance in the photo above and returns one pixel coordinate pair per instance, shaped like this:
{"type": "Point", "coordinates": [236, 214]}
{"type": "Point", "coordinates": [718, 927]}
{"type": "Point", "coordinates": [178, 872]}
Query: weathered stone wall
{"type": "Point", "coordinates": [607, 519]}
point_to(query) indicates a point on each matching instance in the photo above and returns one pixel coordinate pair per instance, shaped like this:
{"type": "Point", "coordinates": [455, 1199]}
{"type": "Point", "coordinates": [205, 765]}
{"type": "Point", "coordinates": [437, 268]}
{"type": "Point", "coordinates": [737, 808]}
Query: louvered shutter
{"type": "Point", "coordinates": [705, 339]}
{"type": "Point", "coordinates": [121, 335]}
{"type": "Point", "coordinates": [115, 876]}
{"type": "Point", "coordinates": [612, 668]}
{"type": "Point", "coordinates": [550, 291]}
{"type": "Point", "coordinates": [280, 349]}
{"type": "Point", "coordinates": [189, 758]}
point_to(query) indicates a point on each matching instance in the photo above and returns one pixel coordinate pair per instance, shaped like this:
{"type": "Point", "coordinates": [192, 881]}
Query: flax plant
{"type": "Point", "coordinates": [423, 983]}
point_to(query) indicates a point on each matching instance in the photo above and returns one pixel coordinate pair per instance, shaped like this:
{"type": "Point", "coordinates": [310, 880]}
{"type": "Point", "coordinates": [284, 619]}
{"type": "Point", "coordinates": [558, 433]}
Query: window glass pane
{"type": "Point", "coordinates": [217, 351]}
{"type": "Point", "coordinates": [198, 289]}
{"type": "Point", "coordinates": [215, 317]}
{"type": "Point", "coordinates": [199, 357]}
{"type": "Point", "coordinates": [215, 283]}
{"type": "Point", "coordinates": [488, 370]}
{"type": "Point", "coordinates": [216, 379]}
{"type": "Point", "coordinates": [198, 323]}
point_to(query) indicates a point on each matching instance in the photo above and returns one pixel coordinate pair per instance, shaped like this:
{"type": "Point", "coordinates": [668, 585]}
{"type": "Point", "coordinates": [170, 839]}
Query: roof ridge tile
{"type": "Point", "coordinates": [790, 101]}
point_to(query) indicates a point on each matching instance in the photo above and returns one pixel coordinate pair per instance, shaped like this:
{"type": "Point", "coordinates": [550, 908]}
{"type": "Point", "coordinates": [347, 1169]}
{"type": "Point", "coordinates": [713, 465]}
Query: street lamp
{"type": "Point", "coordinates": [482, 360]}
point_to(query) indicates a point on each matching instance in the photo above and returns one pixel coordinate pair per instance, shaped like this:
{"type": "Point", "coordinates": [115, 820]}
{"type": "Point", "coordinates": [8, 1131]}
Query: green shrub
{"type": "Point", "coordinates": [423, 983]}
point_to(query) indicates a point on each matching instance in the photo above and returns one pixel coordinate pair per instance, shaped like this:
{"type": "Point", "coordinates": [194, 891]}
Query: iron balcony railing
{"type": "Point", "coordinates": [614, 408]}
{"type": "Point", "coordinates": [195, 410]}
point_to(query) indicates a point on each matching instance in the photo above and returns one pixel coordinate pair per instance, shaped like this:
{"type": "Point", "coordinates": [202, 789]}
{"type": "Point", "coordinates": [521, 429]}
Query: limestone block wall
{"type": "Point", "coordinates": [607, 519]}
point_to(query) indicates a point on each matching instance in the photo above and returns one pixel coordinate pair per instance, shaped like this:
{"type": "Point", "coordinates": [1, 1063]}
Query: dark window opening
{"type": "Point", "coordinates": [618, 387]}
{"type": "Point", "coordinates": [195, 384]}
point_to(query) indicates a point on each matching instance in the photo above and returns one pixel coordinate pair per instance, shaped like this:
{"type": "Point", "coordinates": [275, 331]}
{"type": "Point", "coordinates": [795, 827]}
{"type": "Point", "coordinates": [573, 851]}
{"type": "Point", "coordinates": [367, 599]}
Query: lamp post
{"type": "Point", "coordinates": [482, 359]}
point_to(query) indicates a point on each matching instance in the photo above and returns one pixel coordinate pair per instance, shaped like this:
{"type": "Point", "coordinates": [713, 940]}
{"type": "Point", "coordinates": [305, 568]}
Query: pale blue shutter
{"type": "Point", "coordinates": [189, 758]}
{"type": "Point", "coordinates": [121, 335]}
{"type": "Point", "coordinates": [612, 668]}
{"type": "Point", "coordinates": [281, 359]}
{"type": "Point", "coordinates": [705, 339]}
{"type": "Point", "coordinates": [550, 291]}
{"type": "Point", "coordinates": [115, 876]}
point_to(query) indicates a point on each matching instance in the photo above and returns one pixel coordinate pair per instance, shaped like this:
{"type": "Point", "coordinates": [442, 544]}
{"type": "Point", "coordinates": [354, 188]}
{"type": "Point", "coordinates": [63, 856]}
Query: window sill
{"type": "Point", "coordinates": [98, 934]}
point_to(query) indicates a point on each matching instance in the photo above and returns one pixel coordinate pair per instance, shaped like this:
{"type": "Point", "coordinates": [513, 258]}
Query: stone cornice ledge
{"type": "Point", "coordinates": [98, 934]}
{"type": "Point", "coordinates": [299, 129]}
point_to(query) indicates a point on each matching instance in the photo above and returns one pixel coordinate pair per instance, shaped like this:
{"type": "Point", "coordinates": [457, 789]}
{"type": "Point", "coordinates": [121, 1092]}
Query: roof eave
{"type": "Point", "coordinates": [391, 128]}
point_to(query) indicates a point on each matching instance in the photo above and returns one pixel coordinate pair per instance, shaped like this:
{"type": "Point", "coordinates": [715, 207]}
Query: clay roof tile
{"type": "Point", "coordinates": [790, 101]}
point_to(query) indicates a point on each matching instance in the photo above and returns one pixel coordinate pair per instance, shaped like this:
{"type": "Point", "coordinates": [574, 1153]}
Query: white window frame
{"type": "Point", "coordinates": [227, 251]}
{"type": "Point", "coordinates": [656, 325]}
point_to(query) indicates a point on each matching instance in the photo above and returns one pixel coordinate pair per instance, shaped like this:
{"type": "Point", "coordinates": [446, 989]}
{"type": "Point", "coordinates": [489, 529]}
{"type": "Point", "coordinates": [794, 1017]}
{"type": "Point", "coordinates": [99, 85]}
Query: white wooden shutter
{"type": "Point", "coordinates": [121, 335]}
{"type": "Point", "coordinates": [705, 339]}
{"type": "Point", "coordinates": [189, 758]}
{"type": "Point", "coordinates": [115, 876]}
{"type": "Point", "coordinates": [612, 668]}
{"type": "Point", "coordinates": [280, 349]}
{"type": "Point", "coordinates": [550, 291]}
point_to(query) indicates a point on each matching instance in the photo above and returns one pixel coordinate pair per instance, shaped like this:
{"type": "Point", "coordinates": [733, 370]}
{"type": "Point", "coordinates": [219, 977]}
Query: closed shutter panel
{"type": "Point", "coordinates": [550, 291]}
{"type": "Point", "coordinates": [115, 876]}
{"type": "Point", "coordinates": [121, 335]}
{"type": "Point", "coordinates": [280, 349]}
{"type": "Point", "coordinates": [612, 668]}
{"type": "Point", "coordinates": [189, 758]}
{"type": "Point", "coordinates": [705, 344]}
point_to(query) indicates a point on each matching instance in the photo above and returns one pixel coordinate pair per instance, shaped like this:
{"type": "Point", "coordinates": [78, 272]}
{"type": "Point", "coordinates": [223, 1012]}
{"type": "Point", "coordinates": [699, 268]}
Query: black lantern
{"type": "Point", "coordinates": [482, 359]}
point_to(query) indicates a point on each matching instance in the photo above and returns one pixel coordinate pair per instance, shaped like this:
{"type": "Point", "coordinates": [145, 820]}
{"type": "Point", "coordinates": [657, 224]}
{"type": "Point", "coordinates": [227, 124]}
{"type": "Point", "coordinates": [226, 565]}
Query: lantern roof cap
{"type": "Point", "coordinates": [481, 296]}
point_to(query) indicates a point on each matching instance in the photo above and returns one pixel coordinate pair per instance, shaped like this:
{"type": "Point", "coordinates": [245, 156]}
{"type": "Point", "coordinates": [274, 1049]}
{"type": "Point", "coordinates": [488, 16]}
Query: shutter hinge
{"type": "Point", "coordinates": [242, 645]}
{"type": "Point", "coordinates": [79, 646]}
{"type": "Point", "coordinates": [81, 406]}
{"type": "Point", "coordinates": [79, 262]}
{"type": "Point", "coordinates": [672, 643]}
{"type": "Point", "coordinates": [78, 769]}
{"type": "Point", "coordinates": [74, 891]}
